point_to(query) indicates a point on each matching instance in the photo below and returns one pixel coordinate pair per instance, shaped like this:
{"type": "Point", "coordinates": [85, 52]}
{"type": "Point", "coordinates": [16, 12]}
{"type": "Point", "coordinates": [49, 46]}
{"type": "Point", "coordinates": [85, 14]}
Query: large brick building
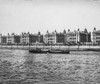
{"type": "Point", "coordinates": [54, 38]}
{"type": "Point", "coordinates": [27, 38]}
{"type": "Point", "coordinates": [72, 37]}
{"type": "Point", "coordinates": [60, 38]}
{"type": "Point", "coordinates": [85, 37]}
{"type": "Point", "coordinates": [50, 38]}
{"type": "Point", "coordinates": [76, 37]}
{"type": "Point", "coordinates": [13, 39]}
{"type": "Point", "coordinates": [3, 39]}
{"type": "Point", "coordinates": [96, 37]}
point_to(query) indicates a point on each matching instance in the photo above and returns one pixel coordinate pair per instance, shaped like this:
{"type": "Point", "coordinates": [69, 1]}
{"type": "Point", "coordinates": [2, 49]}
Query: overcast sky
{"type": "Point", "coordinates": [42, 15]}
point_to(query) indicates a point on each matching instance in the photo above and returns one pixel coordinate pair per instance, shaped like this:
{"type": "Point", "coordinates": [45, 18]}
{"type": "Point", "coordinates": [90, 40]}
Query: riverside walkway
{"type": "Point", "coordinates": [72, 48]}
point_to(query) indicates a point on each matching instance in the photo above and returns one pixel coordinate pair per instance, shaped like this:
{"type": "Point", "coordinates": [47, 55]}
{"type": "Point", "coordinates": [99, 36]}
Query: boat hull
{"type": "Point", "coordinates": [32, 51]}
{"type": "Point", "coordinates": [59, 52]}
{"type": "Point", "coordinates": [49, 51]}
{"type": "Point", "coordinates": [91, 49]}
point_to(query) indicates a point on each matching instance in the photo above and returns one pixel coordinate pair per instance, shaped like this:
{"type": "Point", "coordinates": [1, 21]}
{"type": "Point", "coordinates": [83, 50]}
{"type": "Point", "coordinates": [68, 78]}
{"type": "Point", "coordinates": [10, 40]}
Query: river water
{"type": "Point", "coordinates": [22, 67]}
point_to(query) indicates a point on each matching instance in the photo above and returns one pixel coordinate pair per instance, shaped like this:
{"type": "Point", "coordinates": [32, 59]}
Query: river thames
{"type": "Point", "coordinates": [22, 67]}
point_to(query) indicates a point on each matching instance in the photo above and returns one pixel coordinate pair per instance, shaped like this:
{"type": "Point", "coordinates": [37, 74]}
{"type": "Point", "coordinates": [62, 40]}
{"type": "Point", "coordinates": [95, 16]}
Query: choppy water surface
{"type": "Point", "coordinates": [22, 67]}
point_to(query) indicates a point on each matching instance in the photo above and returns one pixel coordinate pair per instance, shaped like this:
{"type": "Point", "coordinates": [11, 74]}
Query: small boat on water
{"type": "Point", "coordinates": [40, 51]}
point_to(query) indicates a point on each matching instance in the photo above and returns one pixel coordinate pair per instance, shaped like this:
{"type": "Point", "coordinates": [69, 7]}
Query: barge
{"type": "Point", "coordinates": [91, 49]}
{"type": "Point", "coordinates": [41, 51]}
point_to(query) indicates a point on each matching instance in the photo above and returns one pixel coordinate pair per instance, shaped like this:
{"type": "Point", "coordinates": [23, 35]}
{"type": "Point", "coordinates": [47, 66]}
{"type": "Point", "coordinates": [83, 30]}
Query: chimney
{"type": "Point", "coordinates": [78, 29]}
{"type": "Point", "coordinates": [94, 28]}
{"type": "Point", "coordinates": [64, 31]}
{"type": "Point", "coordinates": [47, 31]}
{"type": "Point", "coordinates": [68, 30]}
{"type": "Point", "coordinates": [39, 33]}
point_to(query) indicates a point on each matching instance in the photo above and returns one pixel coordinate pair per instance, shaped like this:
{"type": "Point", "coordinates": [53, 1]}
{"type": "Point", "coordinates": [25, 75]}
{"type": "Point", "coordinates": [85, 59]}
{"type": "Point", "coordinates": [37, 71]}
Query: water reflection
{"type": "Point", "coordinates": [20, 66]}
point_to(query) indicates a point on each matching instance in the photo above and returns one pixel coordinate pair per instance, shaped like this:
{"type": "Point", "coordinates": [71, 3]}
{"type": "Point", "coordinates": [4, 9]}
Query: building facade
{"type": "Point", "coordinates": [78, 37]}
{"type": "Point", "coordinates": [10, 39]}
{"type": "Point", "coordinates": [35, 38]}
{"type": "Point", "coordinates": [13, 39]}
{"type": "Point", "coordinates": [60, 38]}
{"type": "Point", "coordinates": [24, 38]}
{"type": "Point", "coordinates": [72, 37]}
{"type": "Point", "coordinates": [3, 39]}
{"type": "Point", "coordinates": [96, 37]}
{"type": "Point", "coordinates": [50, 38]}
{"type": "Point", "coordinates": [27, 38]}
{"type": "Point", "coordinates": [85, 37]}
{"type": "Point", "coordinates": [54, 38]}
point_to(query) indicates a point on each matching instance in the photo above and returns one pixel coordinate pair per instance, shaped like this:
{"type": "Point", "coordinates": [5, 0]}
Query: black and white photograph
{"type": "Point", "coordinates": [49, 41]}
